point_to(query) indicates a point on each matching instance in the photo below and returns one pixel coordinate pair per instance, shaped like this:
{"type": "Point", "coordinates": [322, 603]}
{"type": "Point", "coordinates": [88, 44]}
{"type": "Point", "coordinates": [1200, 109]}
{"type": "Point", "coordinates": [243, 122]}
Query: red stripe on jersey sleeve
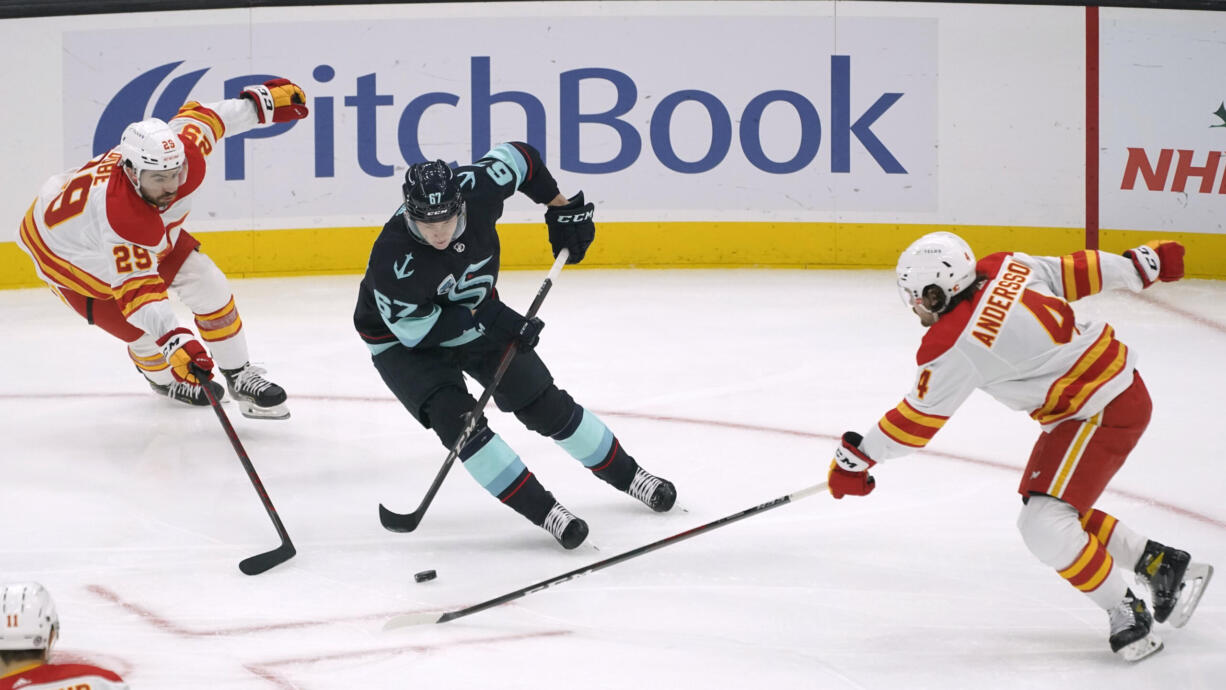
{"type": "Point", "coordinates": [1081, 274]}
{"type": "Point", "coordinates": [137, 292]}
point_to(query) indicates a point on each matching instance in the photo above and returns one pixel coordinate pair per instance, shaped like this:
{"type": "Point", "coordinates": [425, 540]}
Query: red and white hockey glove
{"type": "Point", "coordinates": [849, 470]}
{"type": "Point", "coordinates": [277, 100]}
{"type": "Point", "coordinates": [1158, 260]}
{"type": "Point", "coordinates": [182, 350]}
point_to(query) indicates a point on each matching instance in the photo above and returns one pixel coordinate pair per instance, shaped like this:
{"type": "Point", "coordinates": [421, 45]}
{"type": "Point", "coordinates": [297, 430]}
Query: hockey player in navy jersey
{"type": "Point", "coordinates": [428, 310]}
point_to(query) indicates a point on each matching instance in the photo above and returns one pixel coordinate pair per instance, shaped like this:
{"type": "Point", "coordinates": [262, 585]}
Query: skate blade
{"type": "Point", "coordinates": [253, 411]}
{"type": "Point", "coordinates": [1146, 646]}
{"type": "Point", "coordinates": [1195, 579]}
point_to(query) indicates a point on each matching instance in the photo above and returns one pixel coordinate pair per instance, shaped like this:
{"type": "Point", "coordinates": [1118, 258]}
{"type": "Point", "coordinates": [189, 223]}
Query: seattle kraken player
{"type": "Point", "coordinates": [428, 310]}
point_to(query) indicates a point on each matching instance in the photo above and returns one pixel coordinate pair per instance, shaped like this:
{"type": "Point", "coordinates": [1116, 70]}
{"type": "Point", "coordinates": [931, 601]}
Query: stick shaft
{"type": "Point", "coordinates": [286, 544]}
{"type": "Point", "coordinates": [415, 619]}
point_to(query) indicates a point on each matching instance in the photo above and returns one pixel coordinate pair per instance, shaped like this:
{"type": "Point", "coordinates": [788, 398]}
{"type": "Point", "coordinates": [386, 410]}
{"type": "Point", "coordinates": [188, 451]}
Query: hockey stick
{"type": "Point", "coordinates": [269, 559]}
{"type": "Point", "coordinates": [407, 522]}
{"type": "Point", "coordinates": [425, 618]}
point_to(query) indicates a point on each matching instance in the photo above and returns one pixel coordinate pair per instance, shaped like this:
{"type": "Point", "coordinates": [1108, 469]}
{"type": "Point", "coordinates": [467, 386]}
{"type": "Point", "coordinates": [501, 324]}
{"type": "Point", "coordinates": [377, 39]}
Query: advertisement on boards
{"type": "Point", "coordinates": [1163, 120]}
{"type": "Point", "coordinates": [658, 118]}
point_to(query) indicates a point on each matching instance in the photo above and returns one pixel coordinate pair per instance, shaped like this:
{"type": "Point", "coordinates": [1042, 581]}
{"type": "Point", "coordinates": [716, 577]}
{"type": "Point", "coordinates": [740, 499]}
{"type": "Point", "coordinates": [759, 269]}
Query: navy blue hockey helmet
{"type": "Point", "coordinates": [431, 198]}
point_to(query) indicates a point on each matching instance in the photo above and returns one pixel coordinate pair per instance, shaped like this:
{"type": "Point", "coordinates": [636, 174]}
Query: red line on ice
{"type": "Point", "coordinates": [263, 668]}
{"type": "Point", "coordinates": [167, 625]}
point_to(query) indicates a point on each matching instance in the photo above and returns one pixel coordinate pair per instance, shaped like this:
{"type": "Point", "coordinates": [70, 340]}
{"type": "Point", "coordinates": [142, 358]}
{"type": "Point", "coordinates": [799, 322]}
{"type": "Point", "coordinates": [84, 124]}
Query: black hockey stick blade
{"type": "Point", "coordinates": [267, 560]}
{"type": "Point", "coordinates": [399, 522]}
{"type": "Point", "coordinates": [426, 618]}
{"type": "Point", "coordinates": [407, 522]}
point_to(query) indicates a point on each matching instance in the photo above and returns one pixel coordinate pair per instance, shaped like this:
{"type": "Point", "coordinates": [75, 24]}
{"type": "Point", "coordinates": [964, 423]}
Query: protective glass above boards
{"type": "Point", "coordinates": [52, 8]}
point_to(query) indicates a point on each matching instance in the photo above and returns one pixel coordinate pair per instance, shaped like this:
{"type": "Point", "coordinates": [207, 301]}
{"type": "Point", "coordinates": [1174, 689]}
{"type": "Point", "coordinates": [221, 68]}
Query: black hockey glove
{"type": "Point", "coordinates": [503, 324]}
{"type": "Point", "coordinates": [571, 227]}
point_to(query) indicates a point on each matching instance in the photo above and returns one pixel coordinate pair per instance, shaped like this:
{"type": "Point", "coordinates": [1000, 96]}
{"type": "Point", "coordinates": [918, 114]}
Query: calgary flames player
{"type": "Point", "coordinates": [108, 238]}
{"type": "Point", "coordinates": [30, 627]}
{"type": "Point", "coordinates": [1004, 325]}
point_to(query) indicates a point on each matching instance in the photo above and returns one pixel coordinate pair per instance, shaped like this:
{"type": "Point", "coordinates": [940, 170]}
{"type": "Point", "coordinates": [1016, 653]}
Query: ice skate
{"type": "Point", "coordinates": [1175, 583]}
{"type": "Point", "coordinates": [569, 530]}
{"type": "Point", "coordinates": [257, 397]}
{"type": "Point", "coordinates": [656, 493]}
{"type": "Point", "coordinates": [1130, 634]}
{"type": "Point", "coordinates": [189, 393]}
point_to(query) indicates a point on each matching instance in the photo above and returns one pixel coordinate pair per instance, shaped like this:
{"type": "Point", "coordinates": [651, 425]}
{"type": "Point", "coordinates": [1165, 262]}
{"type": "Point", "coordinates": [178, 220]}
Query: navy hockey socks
{"type": "Point", "coordinates": [589, 441]}
{"type": "Point", "coordinates": [497, 468]}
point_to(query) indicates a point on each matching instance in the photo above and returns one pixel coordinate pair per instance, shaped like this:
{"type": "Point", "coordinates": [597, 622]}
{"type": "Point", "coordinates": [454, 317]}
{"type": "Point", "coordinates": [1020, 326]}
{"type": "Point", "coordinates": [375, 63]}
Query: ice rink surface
{"type": "Point", "coordinates": [135, 511]}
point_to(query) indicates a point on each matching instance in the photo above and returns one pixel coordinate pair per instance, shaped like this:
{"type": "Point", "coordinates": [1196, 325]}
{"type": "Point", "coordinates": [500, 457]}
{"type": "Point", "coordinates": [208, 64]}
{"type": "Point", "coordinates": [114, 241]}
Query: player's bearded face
{"type": "Point", "coordinates": [159, 187]}
{"type": "Point", "coordinates": [438, 234]}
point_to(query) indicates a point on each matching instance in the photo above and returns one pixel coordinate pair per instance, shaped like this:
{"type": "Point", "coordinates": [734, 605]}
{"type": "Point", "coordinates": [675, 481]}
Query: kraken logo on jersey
{"type": "Point", "coordinates": [470, 288]}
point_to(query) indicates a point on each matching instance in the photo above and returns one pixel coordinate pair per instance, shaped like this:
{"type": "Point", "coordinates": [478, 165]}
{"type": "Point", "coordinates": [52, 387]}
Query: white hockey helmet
{"type": "Point", "coordinates": [151, 145]}
{"type": "Point", "coordinates": [30, 621]}
{"type": "Point", "coordinates": [940, 259]}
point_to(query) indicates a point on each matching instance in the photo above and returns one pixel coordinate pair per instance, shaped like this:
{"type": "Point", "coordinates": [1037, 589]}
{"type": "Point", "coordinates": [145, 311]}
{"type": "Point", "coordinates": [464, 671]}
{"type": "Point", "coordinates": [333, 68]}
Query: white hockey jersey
{"type": "Point", "coordinates": [90, 232]}
{"type": "Point", "coordinates": [1018, 340]}
{"type": "Point", "coordinates": [63, 677]}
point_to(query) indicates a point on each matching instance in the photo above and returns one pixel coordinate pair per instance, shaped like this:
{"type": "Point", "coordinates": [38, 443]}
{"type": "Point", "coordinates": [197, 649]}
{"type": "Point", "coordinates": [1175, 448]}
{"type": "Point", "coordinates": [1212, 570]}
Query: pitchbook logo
{"type": "Point", "coordinates": [1156, 174]}
{"type": "Point", "coordinates": [735, 129]}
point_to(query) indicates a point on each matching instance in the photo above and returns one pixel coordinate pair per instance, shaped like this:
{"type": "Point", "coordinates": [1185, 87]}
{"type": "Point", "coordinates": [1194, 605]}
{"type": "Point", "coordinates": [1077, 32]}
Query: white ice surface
{"type": "Point", "coordinates": [135, 511]}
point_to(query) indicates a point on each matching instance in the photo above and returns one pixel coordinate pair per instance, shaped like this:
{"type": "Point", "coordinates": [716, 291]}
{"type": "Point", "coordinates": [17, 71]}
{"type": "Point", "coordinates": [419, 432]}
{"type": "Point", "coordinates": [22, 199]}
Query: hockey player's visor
{"type": "Point", "coordinates": [438, 233]}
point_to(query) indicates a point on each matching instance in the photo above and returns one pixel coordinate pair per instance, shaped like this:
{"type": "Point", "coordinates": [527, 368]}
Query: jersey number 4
{"type": "Point", "coordinates": [1053, 313]}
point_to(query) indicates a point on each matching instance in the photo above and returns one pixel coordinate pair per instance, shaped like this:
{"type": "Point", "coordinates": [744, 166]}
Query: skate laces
{"type": "Point", "coordinates": [557, 520]}
{"type": "Point", "coordinates": [1121, 616]}
{"type": "Point", "coordinates": [1130, 612]}
{"type": "Point", "coordinates": [644, 485]}
{"type": "Point", "coordinates": [251, 380]}
{"type": "Point", "coordinates": [183, 389]}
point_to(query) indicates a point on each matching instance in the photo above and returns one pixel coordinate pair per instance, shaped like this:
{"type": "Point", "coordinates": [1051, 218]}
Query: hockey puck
{"type": "Point", "coordinates": [425, 576]}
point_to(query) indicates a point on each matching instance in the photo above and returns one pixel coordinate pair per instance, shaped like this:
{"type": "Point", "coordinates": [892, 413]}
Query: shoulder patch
{"type": "Point", "coordinates": [130, 216]}
{"type": "Point", "coordinates": [989, 266]}
{"type": "Point", "coordinates": [467, 178]}
{"type": "Point", "coordinates": [946, 331]}
{"type": "Point", "coordinates": [196, 168]}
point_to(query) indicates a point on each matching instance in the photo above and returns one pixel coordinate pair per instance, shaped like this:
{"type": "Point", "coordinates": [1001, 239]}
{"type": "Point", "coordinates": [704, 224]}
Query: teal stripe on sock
{"type": "Point", "coordinates": [591, 441]}
{"type": "Point", "coordinates": [495, 466]}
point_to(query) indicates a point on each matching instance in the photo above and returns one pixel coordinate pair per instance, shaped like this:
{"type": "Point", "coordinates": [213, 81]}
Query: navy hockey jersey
{"type": "Point", "coordinates": [419, 296]}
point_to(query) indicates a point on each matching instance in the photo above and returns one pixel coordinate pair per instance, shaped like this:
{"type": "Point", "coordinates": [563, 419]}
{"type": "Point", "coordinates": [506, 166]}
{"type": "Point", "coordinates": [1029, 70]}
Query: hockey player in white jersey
{"type": "Point", "coordinates": [109, 240]}
{"type": "Point", "coordinates": [29, 629]}
{"type": "Point", "coordinates": [1004, 325]}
